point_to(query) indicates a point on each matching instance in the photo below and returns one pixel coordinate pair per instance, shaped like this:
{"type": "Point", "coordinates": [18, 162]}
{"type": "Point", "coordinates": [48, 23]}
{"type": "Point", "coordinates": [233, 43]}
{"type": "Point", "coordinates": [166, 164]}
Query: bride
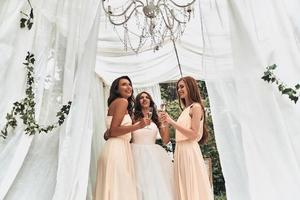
{"type": "Point", "coordinates": [153, 167]}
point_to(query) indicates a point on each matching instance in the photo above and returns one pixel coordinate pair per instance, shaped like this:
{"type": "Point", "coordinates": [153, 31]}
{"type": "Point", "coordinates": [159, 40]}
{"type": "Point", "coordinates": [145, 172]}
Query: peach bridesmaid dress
{"type": "Point", "coordinates": [191, 178]}
{"type": "Point", "coordinates": [116, 177]}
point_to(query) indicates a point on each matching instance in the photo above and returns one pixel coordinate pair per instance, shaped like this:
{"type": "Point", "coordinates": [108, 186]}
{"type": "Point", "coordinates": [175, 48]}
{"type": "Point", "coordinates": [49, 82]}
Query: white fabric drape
{"type": "Point", "coordinates": [256, 129]}
{"type": "Point", "coordinates": [63, 39]}
{"type": "Point", "coordinates": [154, 91]}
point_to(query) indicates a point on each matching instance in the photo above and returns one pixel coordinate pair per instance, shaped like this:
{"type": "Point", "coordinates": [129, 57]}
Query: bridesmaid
{"type": "Point", "coordinates": [116, 176]}
{"type": "Point", "coordinates": [191, 178]}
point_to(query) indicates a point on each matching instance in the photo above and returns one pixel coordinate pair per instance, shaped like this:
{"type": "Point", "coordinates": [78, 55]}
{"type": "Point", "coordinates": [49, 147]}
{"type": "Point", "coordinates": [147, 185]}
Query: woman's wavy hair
{"type": "Point", "coordinates": [194, 95]}
{"type": "Point", "coordinates": [138, 114]}
{"type": "Point", "coordinates": [114, 94]}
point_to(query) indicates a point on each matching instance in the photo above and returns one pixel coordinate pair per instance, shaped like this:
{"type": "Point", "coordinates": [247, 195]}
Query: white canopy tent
{"type": "Point", "coordinates": [256, 128]}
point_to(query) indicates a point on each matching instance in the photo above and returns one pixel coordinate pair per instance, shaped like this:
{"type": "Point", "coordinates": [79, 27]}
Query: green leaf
{"type": "Point", "coordinates": [4, 133]}
{"type": "Point", "coordinates": [281, 87]}
{"type": "Point", "coordinates": [273, 79]}
{"type": "Point", "coordinates": [29, 25]}
{"type": "Point", "coordinates": [297, 86]}
{"type": "Point", "coordinates": [67, 112]}
{"type": "Point", "coordinates": [266, 78]}
{"type": "Point", "coordinates": [31, 13]}
{"type": "Point", "coordinates": [58, 114]}
{"type": "Point", "coordinates": [32, 61]}
{"type": "Point", "coordinates": [22, 23]}
{"type": "Point", "coordinates": [272, 67]}
{"type": "Point", "coordinates": [294, 98]}
{"type": "Point", "coordinates": [287, 90]}
{"type": "Point", "coordinates": [60, 122]}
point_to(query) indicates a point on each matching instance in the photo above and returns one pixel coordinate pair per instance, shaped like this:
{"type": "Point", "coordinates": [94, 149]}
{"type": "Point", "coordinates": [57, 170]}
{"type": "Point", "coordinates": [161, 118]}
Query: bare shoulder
{"type": "Point", "coordinates": [196, 105]}
{"type": "Point", "coordinates": [196, 109]}
{"type": "Point", "coordinates": [120, 102]}
{"type": "Point", "coordinates": [118, 105]}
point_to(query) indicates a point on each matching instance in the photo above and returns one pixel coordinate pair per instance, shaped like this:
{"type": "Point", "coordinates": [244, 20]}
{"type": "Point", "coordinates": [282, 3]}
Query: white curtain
{"type": "Point", "coordinates": [256, 128]}
{"type": "Point", "coordinates": [154, 91]}
{"type": "Point", "coordinates": [63, 38]}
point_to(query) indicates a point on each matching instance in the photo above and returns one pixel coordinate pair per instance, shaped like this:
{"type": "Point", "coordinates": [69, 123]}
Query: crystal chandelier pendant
{"type": "Point", "coordinates": [150, 10]}
{"type": "Point", "coordinates": [142, 20]}
{"type": "Point", "coordinates": [148, 24]}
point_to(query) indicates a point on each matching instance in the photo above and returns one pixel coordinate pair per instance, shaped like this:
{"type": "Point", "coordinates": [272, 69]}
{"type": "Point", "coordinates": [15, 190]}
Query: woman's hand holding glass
{"type": "Point", "coordinates": [165, 118]}
{"type": "Point", "coordinates": [149, 116]}
{"type": "Point", "coordinates": [144, 122]}
{"type": "Point", "coordinates": [160, 111]}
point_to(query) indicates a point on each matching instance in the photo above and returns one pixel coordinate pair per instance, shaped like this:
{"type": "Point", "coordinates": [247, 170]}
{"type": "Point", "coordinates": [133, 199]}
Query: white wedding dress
{"type": "Point", "coordinates": [153, 166]}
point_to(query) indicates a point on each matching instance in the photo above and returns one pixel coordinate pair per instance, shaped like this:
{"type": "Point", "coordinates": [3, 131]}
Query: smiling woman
{"type": "Point", "coordinates": [153, 167]}
{"type": "Point", "coordinates": [191, 178]}
{"type": "Point", "coordinates": [209, 150]}
{"type": "Point", "coordinates": [116, 176]}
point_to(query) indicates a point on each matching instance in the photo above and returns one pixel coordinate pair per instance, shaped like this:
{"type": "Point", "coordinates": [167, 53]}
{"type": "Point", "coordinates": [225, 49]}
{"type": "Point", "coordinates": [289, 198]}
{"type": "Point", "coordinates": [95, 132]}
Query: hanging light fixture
{"type": "Point", "coordinates": [148, 23]}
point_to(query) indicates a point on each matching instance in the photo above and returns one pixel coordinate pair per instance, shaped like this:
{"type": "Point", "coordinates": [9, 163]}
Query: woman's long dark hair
{"type": "Point", "coordinates": [138, 114]}
{"type": "Point", "coordinates": [194, 95]}
{"type": "Point", "coordinates": [114, 93]}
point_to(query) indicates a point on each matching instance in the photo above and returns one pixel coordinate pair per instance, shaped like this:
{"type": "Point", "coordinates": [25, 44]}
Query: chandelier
{"type": "Point", "coordinates": [148, 23]}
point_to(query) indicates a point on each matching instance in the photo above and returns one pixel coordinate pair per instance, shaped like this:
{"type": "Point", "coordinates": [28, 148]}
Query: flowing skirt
{"type": "Point", "coordinates": [154, 172]}
{"type": "Point", "coordinates": [116, 176]}
{"type": "Point", "coordinates": [191, 178]}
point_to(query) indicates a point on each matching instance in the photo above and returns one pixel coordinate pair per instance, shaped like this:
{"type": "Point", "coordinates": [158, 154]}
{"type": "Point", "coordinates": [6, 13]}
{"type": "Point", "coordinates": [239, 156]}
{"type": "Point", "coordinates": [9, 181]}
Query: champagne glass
{"type": "Point", "coordinates": [162, 109]}
{"type": "Point", "coordinates": [163, 106]}
{"type": "Point", "coordinates": [149, 115]}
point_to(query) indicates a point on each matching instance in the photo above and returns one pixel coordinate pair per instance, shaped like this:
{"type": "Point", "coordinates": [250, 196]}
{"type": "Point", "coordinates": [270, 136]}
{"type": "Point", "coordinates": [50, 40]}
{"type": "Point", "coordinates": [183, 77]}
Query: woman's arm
{"type": "Point", "coordinates": [164, 133]}
{"type": "Point", "coordinates": [193, 132]}
{"type": "Point", "coordinates": [119, 110]}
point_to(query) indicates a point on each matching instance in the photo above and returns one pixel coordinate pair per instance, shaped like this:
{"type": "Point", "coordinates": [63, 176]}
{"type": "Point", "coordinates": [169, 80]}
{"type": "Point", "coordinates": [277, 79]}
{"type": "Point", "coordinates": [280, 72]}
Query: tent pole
{"type": "Point", "coordinates": [177, 57]}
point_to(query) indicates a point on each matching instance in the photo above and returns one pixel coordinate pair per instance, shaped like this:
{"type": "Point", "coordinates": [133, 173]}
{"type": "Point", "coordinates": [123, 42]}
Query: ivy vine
{"type": "Point", "coordinates": [292, 92]}
{"type": "Point", "coordinates": [27, 20]}
{"type": "Point", "coordinates": [25, 108]}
